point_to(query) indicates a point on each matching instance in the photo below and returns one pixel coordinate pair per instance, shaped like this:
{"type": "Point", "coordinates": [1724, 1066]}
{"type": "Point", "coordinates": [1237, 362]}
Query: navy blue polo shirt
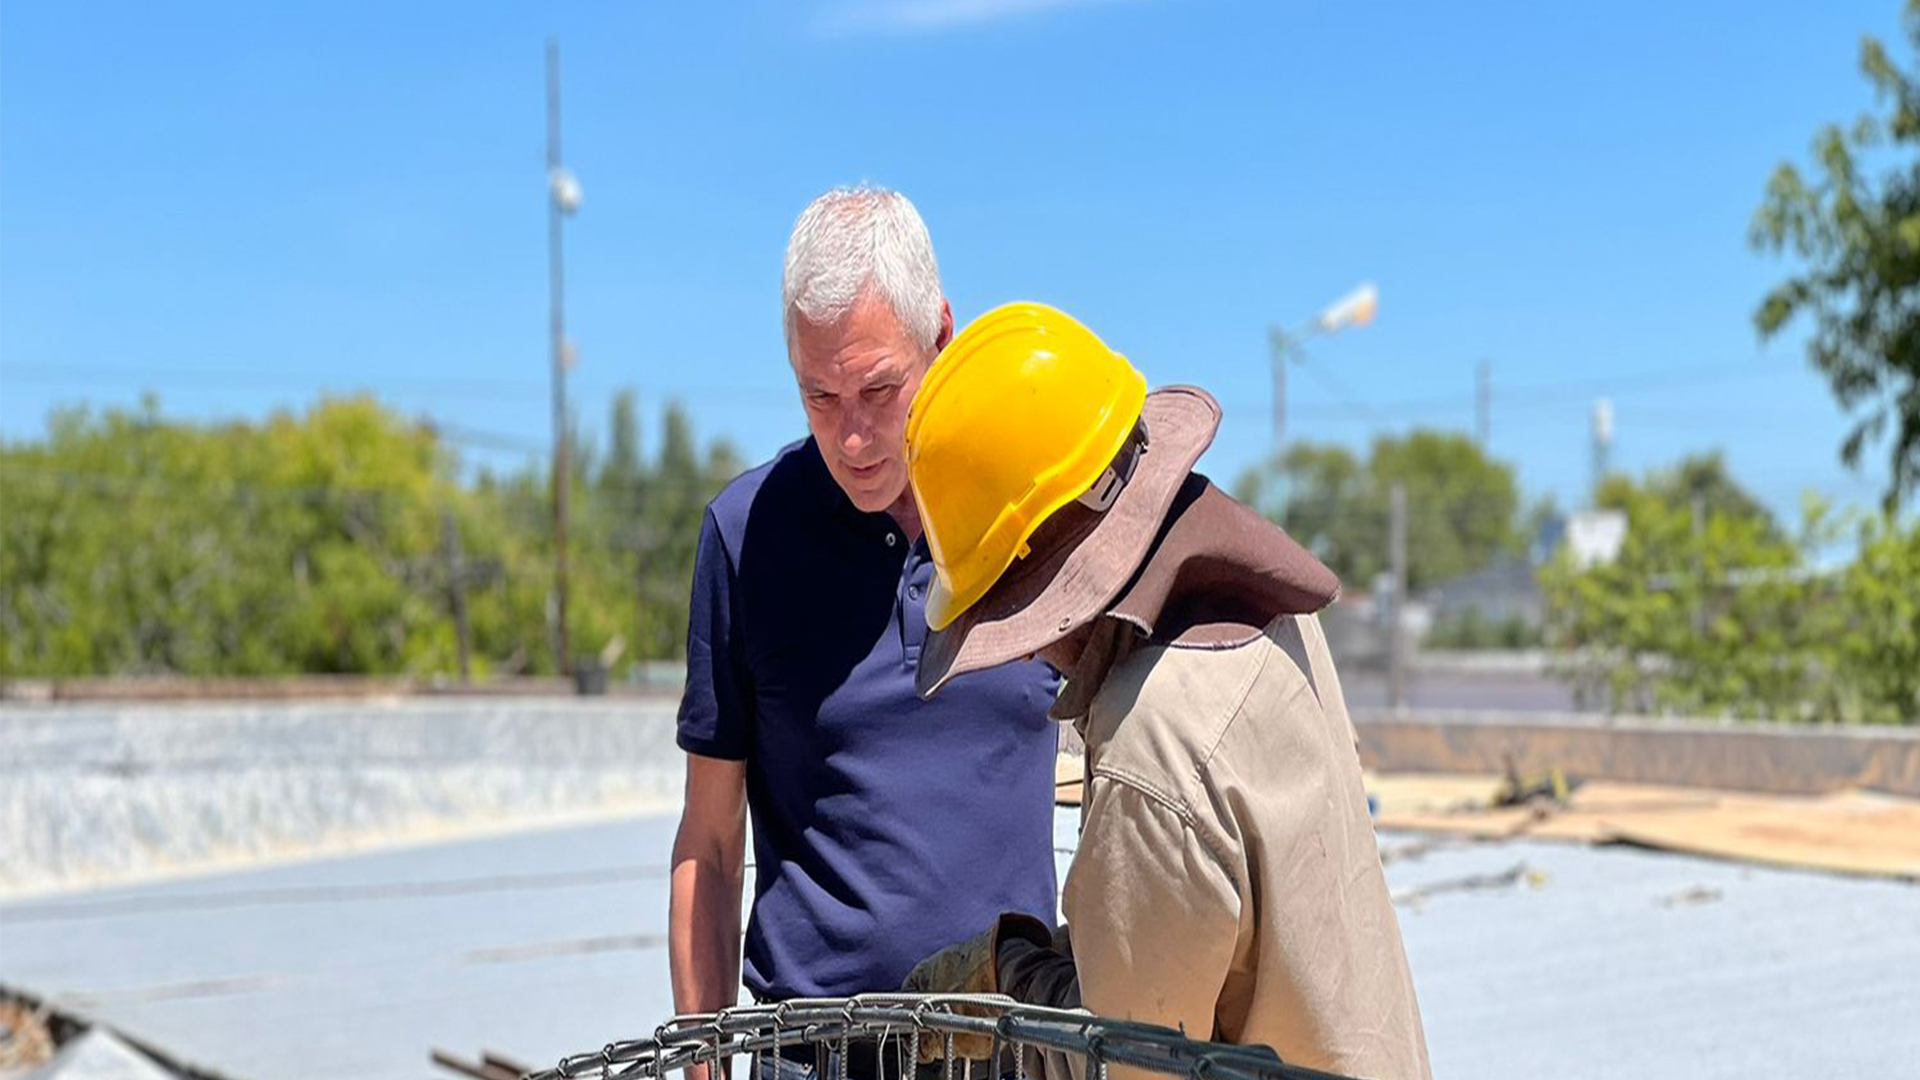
{"type": "Point", "coordinates": [884, 827]}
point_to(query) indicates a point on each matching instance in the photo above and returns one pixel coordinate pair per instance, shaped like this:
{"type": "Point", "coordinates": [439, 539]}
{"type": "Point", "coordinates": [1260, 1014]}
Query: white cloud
{"type": "Point", "coordinates": [859, 17]}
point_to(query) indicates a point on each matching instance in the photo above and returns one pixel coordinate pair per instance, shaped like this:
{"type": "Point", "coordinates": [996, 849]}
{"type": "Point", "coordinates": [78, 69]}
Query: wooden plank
{"type": "Point", "coordinates": [500, 1061]}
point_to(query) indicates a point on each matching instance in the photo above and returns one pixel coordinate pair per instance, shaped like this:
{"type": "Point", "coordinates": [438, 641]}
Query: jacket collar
{"type": "Point", "coordinates": [1216, 575]}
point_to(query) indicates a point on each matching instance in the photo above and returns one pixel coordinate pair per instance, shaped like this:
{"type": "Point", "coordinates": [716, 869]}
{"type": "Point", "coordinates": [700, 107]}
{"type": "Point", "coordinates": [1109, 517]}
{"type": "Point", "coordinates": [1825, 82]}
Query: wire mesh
{"type": "Point", "coordinates": [870, 1022]}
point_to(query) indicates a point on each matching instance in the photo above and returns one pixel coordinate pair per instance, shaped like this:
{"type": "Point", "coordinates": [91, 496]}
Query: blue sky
{"type": "Point", "coordinates": [241, 206]}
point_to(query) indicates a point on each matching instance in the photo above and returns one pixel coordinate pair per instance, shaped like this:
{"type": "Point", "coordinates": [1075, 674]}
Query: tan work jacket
{"type": "Point", "coordinates": [1227, 880]}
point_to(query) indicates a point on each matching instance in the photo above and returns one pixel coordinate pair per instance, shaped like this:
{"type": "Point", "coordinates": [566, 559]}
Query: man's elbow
{"type": "Point", "coordinates": [706, 850]}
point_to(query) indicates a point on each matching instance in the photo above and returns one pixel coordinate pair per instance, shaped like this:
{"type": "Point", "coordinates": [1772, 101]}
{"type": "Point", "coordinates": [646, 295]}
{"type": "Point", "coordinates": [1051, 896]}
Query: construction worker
{"type": "Point", "coordinates": [884, 825]}
{"type": "Point", "coordinates": [1226, 882]}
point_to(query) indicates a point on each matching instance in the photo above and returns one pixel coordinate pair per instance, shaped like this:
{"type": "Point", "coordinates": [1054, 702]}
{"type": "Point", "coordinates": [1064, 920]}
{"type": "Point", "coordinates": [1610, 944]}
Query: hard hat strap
{"type": "Point", "coordinates": [1105, 491]}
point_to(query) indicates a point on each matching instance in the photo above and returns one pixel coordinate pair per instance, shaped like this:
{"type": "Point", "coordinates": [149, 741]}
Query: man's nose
{"type": "Point", "coordinates": [853, 431]}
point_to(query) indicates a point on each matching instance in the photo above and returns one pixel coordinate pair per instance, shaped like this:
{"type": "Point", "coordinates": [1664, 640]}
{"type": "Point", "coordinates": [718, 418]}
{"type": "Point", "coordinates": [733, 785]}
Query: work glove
{"type": "Point", "coordinates": [970, 967]}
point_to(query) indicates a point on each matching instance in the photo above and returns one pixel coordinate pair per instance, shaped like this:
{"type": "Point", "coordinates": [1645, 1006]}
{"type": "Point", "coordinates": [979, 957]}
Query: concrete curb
{"type": "Point", "coordinates": [1735, 756]}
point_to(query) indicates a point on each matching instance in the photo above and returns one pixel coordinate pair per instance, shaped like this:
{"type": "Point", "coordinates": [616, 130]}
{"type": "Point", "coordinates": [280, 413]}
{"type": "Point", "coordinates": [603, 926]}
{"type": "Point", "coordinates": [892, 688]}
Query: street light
{"type": "Point", "coordinates": [565, 188]}
{"type": "Point", "coordinates": [1355, 309]}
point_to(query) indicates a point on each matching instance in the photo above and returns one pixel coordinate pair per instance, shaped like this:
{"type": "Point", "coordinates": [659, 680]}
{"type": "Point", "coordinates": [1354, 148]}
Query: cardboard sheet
{"type": "Point", "coordinates": [1845, 832]}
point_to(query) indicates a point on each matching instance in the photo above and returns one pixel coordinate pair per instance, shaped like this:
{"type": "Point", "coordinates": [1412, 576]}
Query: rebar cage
{"type": "Point", "coordinates": [900, 1023]}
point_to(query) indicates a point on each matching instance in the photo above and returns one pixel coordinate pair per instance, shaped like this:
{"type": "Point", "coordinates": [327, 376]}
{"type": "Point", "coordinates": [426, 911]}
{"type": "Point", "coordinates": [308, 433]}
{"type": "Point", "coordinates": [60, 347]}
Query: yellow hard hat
{"type": "Point", "coordinates": [1020, 415]}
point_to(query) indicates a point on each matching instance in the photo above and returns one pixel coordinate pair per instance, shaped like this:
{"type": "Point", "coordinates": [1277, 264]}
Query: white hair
{"type": "Point", "coordinates": [853, 238]}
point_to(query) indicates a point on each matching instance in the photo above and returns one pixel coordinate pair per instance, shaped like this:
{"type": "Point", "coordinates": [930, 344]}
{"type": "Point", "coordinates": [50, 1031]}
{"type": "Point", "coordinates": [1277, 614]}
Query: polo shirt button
{"type": "Point", "coordinates": [892, 539]}
{"type": "Point", "coordinates": [913, 592]}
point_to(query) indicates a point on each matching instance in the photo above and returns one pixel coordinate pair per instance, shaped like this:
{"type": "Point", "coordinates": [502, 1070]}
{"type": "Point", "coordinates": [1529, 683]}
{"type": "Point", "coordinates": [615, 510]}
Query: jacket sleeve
{"type": "Point", "coordinates": [1154, 911]}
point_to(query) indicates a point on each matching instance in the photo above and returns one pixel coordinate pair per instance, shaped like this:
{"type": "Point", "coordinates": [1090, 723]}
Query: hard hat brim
{"type": "Point", "coordinates": [940, 605]}
{"type": "Point", "coordinates": [1047, 596]}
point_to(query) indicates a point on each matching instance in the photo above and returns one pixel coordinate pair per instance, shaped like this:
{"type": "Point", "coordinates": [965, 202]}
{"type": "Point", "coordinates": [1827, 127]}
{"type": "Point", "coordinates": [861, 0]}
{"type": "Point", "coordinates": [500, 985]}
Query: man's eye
{"type": "Point", "coordinates": [879, 393]}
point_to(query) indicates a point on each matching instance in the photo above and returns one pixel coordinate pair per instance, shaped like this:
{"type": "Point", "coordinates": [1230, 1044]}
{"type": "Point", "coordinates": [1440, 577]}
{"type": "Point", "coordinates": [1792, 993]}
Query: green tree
{"type": "Point", "coordinates": [314, 543]}
{"type": "Point", "coordinates": [1700, 480]}
{"type": "Point", "coordinates": [1723, 613]}
{"type": "Point", "coordinates": [674, 499]}
{"type": "Point", "coordinates": [1856, 228]}
{"type": "Point", "coordinates": [1462, 506]}
{"type": "Point", "coordinates": [1699, 615]}
{"type": "Point", "coordinates": [131, 545]}
{"type": "Point", "coordinates": [1875, 653]}
{"type": "Point", "coordinates": [621, 472]}
{"type": "Point", "coordinates": [1323, 495]}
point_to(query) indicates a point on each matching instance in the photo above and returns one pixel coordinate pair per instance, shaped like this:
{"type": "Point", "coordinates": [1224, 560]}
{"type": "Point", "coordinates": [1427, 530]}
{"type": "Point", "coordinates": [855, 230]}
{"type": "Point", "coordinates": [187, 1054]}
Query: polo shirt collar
{"type": "Point", "coordinates": [878, 523]}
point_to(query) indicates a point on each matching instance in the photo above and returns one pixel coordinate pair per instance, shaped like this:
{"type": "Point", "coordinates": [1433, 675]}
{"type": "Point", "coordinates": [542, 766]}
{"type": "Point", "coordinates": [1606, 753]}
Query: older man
{"type": "Point", "coordinates": [884, 825]}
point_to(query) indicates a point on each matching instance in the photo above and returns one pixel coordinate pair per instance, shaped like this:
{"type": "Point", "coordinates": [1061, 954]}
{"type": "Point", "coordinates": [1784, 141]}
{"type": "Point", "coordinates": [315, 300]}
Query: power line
{"type": "Point", "coordinates": [479, 388]}
{"type": "Point", "coordinates": [1571, 390]}
{"type": "Point", "coordinates": [781, 395]}
{"type": "Point", "coordinates": [1347, 398]}
{"type": "Point", "coordinates": [477, 437]}
{"type": "Point", "coordinates": [149, 485]}
{"type": "Point", "coordinates": [226, 378]}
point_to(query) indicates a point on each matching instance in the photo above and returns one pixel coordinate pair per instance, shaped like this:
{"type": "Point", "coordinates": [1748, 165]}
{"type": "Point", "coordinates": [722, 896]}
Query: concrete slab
{"type": "Point", "coordinates": [1611, 962]}
{"type": "Point", "coordinates": [355, 967]}
{"type": "Point", "coordinates": [1585, 963]}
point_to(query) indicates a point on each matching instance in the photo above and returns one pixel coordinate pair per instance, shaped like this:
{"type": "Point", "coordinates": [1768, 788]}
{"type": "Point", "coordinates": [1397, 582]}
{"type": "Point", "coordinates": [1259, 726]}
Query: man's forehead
{"type": "Point", "coordinates": [854, 367]}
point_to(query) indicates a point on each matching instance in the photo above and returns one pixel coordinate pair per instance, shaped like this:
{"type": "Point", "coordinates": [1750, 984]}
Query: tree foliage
{"type": "Point", "coordinates": [1462, 506]}
{"type": "Point", "coordinates": [1717, 611]}
{"type": "Point", "coordinates": [1855, 225]}
{"type": "Point", "coordinates": [1698, 481]}
{"type": "Point", "coordinates": [318, 543]}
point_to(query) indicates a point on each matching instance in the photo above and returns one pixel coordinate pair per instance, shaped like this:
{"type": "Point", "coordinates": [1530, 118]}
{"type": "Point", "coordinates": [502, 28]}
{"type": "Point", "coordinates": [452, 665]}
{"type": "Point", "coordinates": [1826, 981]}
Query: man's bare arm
{"type": "Point", "coordinates": [709, 867]}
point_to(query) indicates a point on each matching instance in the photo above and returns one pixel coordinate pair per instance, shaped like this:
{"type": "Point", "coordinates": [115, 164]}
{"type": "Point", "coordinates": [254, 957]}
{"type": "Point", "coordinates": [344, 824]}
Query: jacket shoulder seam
{"type": "Point", "coordinates": [1177, 806]}
{"type": "Point", "coordinates": [1237, 706]}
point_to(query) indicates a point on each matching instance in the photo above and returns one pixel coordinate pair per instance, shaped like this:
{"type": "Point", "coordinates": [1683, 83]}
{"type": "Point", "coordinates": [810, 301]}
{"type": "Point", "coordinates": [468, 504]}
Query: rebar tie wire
{"type": "Point", "coordinates": [690, 1039]}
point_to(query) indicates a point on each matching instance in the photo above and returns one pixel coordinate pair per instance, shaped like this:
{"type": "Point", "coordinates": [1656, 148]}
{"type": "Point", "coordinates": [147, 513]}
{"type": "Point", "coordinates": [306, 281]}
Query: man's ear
{"type": "Point", "coordinates": [946, 326]}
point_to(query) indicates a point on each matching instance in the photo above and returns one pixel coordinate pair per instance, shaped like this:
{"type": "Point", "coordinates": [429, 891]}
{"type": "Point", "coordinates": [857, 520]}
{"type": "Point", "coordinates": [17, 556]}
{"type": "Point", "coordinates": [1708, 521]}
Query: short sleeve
{"type": "Point", "coordinates": [716, 717]}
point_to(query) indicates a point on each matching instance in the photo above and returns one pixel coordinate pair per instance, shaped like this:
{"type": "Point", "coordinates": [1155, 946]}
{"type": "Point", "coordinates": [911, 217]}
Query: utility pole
{"type": "Point", "coordinates": [456, 571]}
{"type": "Point", "coordinates": [1354, 309]}
{"type": "Point", "coordinates": [1699, 565]}
{"type": "Point", "coordinates": [563, 196]}
{"type": "Point", "coordinates": [1483, 404]}
{"type": "Point", "coordinates": [1397, 629]}
{"type": "Point", "coordinates": [1279, 343]}
{"type": "Point", "coordinates": [1602, 443]}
